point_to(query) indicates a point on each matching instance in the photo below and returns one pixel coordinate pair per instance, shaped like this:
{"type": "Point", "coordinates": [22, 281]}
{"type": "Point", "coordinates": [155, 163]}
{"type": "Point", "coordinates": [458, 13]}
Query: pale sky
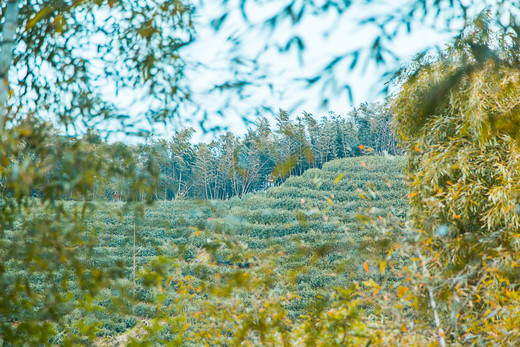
{"type": "Point", "coordinates": [325, 37]}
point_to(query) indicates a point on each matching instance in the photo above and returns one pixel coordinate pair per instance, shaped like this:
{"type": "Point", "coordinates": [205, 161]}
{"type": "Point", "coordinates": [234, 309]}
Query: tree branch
{"type": "Point", "coordinates": [433, 304]}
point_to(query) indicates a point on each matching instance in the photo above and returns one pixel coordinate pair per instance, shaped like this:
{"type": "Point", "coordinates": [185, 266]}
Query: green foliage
{"type": "Point", "coordinates": [255, 269]}
{"type": "Point", "coordinates": [53, 54]}
{"type": "Point", "coordinates": [457, 115]}
{"type": "Point", "coordinates": [141, 51]}
{"type": "Point", "coordinates": [233, 166]}
{"type": "Point", "coordinates": [174, 169]}
{"type": "Point", "coordinates": [211, 277]}
{"type": "Point", "coordinates": [47, 248]}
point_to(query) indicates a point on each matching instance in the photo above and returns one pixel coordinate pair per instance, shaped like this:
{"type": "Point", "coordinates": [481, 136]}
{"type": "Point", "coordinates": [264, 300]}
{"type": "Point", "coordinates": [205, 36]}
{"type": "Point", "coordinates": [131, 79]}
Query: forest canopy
{"type": "Point", "coordinates": [229, 165]}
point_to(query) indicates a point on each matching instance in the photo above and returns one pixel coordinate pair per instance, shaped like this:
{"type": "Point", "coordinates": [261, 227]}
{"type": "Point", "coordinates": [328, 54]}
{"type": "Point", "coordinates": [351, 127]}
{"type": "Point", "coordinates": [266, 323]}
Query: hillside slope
{"type": "Point", "coordinates": [316, 213]}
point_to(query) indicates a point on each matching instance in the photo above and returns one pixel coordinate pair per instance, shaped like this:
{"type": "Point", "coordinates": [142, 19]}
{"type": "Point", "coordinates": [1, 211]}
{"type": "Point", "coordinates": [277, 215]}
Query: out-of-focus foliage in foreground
{"type": "Point", "coordinates": [44, 268]}
{"type": "Point", "coordinates": [282, 27]}
{"type": "Point", "coordinates": [53, 55]}
{"type": "Point", "coordinates": [73, 59]}
{"type": "Point", "coordinates": [458, 116]}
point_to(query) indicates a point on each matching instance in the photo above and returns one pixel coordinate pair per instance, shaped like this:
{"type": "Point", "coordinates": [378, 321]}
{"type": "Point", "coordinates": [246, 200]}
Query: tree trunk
{"type": "Point", "coordinates": [6, 56]}
{"type": "Point", "coordinates": [133, 256]}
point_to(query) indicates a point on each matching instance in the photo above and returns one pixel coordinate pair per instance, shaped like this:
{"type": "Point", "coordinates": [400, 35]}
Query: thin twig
{"type": "Point", "coordinates": [433, 304]}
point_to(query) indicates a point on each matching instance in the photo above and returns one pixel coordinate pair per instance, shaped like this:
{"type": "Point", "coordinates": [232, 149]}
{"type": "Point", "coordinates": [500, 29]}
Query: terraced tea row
{"type": "Point", "coordinates": [311, 222]}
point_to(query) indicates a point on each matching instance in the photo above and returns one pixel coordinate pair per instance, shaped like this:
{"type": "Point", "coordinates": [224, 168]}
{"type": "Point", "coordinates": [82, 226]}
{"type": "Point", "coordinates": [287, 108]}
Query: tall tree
{"type": "Point", "coordinates": [261, 146]}
{"type": "Point", "coordinates": [361, 117]}
{"type": "Point", "coordinates": [227, 156]}
{"type": "Point", "coordinates": [381, 130]}
{"type": "Point", "coordinates": [182, 161]}
{"type": "Point", "coordinates": [205, 171]}
{"type": "Point", "coordinates": [458, 116]}
{"type": "Point", "coordinates": [346, 138]}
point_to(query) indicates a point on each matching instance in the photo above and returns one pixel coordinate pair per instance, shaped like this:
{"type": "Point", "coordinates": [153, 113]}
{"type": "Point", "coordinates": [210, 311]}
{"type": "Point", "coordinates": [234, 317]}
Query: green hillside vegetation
{"type": "Point", "coordinates": [310, 222]}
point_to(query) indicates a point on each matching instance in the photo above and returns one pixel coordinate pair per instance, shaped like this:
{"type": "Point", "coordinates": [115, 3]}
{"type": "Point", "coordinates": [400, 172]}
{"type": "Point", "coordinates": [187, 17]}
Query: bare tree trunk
{"type": "Point", "coordinates": [180, 182]}
{"type": "Point", "coordinates": [133, 287]}
{"type": "Point", "coordinates": [6, 56]}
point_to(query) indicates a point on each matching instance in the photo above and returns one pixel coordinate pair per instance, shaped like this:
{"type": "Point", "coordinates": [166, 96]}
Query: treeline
{"type": "Point", "coordinates": [266, 155]}
{"type": "Point", "coordinates": [229, 165]}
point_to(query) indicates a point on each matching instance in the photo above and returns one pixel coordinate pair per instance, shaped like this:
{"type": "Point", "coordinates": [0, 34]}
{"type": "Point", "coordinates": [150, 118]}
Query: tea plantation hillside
{"type": "Point", "coordinates": [311, 222]}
